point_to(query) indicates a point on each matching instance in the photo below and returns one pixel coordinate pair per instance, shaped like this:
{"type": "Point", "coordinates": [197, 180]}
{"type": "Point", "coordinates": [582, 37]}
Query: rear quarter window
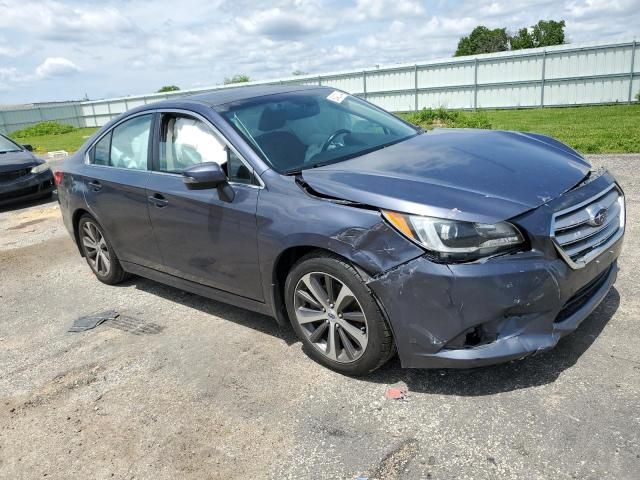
{"type": "Point", "coordinates": [100, 153]}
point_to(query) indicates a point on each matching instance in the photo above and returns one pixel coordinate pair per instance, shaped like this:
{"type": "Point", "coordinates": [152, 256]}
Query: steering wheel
{"type": "Point", "coordinates": [332, 137]}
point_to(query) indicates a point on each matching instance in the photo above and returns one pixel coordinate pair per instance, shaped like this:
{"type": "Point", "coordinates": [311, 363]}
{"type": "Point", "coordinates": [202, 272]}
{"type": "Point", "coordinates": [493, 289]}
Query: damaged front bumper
{"type": "Point", "coordinates": [460, 316]}
{"type": "Point", "coordinates": [29, 187]}
{"type": "Point", "coordinates": [499, 309]}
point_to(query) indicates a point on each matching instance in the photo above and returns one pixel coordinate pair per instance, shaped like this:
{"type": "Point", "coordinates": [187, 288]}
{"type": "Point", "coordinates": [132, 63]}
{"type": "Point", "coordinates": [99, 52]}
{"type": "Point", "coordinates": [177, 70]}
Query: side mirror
{"type": "Point", "coordinates": [28, 148]}
{"type": "Point", "coordinates": [204, 175]}
{"type": "Point", "coordinates": [209, 175]}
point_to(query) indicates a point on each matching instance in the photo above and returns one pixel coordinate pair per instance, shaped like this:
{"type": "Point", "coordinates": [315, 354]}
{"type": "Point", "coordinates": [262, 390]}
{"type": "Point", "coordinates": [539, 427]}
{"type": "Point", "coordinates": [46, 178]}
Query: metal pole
{"type": "Point", "coordinates": [633, 58]}
{"type": "Point", "coordinates": [475, 85]}
{"type": "Point", "coordinates": [544, 66]}
{"type": "Point", "coordinates": [415, 85]}
{"type": "Point", "coordinates": [364, 83]}
{"type": "Point", "coordinates": [95, 119]}
{"type": "Point", "coordinates": [3, 123]}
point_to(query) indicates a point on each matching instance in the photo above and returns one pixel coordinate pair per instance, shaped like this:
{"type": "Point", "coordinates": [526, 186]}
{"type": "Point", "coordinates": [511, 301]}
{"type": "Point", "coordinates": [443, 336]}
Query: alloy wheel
{"type": "Point", "coordinates": [96, 249]}
{"type": "Point", "coordinates": [331, 317]}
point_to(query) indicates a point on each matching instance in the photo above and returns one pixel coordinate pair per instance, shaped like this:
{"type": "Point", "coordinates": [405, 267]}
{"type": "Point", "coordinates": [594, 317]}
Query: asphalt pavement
{"type": "Point", "coordinates": [181, 387]}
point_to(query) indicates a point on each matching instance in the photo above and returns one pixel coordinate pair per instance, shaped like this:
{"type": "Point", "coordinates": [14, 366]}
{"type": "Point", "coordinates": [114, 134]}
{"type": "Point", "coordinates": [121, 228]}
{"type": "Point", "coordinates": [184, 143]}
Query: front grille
{"type": "Point", "coordinates": [18, 193]}
{"type": "Point", "coordinates": [582, 296]}
{"type": "Point", "coordinates": [14, 174]}
{"type": "Point", "coordinates": [585, 230]}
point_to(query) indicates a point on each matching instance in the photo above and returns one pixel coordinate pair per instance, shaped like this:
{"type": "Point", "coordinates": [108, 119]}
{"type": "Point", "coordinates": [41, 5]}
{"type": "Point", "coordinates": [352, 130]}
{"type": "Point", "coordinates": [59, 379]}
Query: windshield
{"type": "Point", "coordinates": [298, 130]}
{"type": "Point", "coordinates": [7, 145]}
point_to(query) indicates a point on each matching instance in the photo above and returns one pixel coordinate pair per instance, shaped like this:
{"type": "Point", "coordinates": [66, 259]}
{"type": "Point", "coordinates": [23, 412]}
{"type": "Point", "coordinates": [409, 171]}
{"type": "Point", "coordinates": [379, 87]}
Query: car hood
{"type": "Point", "coordinates": [472, 175]}
{"type": "Point", "coordinates": [16, 160]}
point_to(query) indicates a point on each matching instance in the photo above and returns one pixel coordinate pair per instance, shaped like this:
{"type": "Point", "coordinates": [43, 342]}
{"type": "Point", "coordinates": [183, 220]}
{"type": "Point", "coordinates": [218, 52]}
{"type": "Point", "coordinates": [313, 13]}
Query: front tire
{"type": "Point", "coordinates": [99, 253]}
{"type": "Point", "coordinates": [335, 315]}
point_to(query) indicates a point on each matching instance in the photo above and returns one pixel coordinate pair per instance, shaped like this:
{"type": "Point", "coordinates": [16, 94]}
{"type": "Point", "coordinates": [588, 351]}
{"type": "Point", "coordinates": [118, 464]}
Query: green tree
{"type": "Point", "coordinates": [239, 78]}
{"type": "Point", "coordinates": [547, 33]}
{"type": "Point", "coordinates": [483, 40]}
{"type": "Point", "coordinates": [522, 39]}
{"type": "Point", "coordinates": [169, 88]}
{"type": "Point", "coordinates": [543, 34]}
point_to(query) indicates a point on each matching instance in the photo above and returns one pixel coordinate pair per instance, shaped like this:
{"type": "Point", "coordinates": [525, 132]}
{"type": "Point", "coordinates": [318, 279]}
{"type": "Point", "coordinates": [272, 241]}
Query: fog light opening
{"type": "Point", "coordinates": [471, 338]}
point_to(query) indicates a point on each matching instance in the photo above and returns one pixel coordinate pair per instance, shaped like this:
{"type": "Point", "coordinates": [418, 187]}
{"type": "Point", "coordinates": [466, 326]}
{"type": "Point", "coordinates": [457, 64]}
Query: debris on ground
{"type": "Point", "coordinates": [397, 391]}
{"type": "Point", "coordinates": [87, 322]}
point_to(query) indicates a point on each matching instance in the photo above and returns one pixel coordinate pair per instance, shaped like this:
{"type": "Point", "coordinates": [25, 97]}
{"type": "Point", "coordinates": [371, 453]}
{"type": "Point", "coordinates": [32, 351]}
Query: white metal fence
{"type": "Point", "coordinates": [577, 74]}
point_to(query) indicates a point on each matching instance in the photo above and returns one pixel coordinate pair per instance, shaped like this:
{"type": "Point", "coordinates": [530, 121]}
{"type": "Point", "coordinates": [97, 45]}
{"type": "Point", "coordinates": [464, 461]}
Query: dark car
{"type": "Point", "coordinates": [455, 248]}
{"type": "Point", "coordinates": [22, 175]}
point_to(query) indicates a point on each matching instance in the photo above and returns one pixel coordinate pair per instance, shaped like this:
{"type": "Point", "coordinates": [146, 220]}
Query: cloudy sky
{"type": "Point", "coordinates": [64, 49]}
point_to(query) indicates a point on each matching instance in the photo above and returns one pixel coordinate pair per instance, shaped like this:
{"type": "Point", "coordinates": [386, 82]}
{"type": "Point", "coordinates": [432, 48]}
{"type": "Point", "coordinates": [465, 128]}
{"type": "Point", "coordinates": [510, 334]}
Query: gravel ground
{"type": "Point", "coordinates": [183, 387]}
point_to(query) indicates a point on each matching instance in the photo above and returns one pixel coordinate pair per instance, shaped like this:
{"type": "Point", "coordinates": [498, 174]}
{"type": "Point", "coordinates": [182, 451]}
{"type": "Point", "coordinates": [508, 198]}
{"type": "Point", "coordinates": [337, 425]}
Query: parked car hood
{"type": "Point", "coordinates": [472, 175]}
{"type": "Point", "coordinates": [16, 160]}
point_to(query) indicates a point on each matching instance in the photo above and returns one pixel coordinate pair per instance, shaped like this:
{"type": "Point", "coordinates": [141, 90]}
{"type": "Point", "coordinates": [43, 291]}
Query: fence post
{"type": "Point", "coordinates": [415, 86]}
{"type": "Point", "coordinates": [95, 119]}
{"type": "Point", "coordinates": [633, 58]}
{"type": "Point", "coordinates": [544, 66]}
{"type": "Point", "coordinates": [364, 83]}
{"type": "Point", "coordinates": [475, 85]}
{"type": "Point", "coordinates": [3, 123]}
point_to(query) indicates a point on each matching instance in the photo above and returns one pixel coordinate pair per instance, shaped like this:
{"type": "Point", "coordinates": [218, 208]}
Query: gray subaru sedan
{"type": "Point", "coordinates": [453, 248]}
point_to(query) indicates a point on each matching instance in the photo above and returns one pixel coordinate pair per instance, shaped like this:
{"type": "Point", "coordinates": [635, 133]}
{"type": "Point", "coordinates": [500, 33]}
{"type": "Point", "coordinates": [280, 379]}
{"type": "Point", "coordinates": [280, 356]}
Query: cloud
{"type": "Point", "coordinates": [10, 51]}
{"type": "Point", "coordinates": [592, 8]}
{"type": "Point", "coordinates": [385, 9]}
{"type": "Point", "coordinates": [126, 47]}
{"type": "Point", "coordinates": [8, 74]}
{"type": "Point", "coordinates": [278, 24]}
{"type": "Point", "coordinates": [55, 67]}
{"type": "Point", "coordinates": [66, 21]}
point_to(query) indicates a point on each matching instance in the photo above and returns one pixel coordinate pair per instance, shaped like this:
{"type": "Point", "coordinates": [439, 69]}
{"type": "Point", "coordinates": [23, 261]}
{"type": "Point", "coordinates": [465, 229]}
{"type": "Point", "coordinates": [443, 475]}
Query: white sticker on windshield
{"type": "Point", "coordinates": [337, 96]}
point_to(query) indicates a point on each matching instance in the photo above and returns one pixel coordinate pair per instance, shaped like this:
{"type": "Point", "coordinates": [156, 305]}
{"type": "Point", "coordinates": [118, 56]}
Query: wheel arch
{"type": "Point", "coordinates": [287, 259]}
{"type": "Point", "coordinates": [75, 221]}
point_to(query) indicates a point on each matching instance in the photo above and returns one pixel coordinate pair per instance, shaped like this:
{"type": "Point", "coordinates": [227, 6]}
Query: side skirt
{"type": "Point", "coordinates": [198, 289]}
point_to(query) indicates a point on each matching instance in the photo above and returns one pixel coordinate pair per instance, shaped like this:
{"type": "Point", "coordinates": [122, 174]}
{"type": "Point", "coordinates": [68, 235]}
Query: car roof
{"type": "Point", "coordinates": [234, 94]}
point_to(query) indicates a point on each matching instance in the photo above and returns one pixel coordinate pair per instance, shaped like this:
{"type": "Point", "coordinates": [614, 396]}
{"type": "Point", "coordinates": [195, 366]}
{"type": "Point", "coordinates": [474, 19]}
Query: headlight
{"type": "Point", "coordinates": [43, 167]}
{"type": "Point", "coordinates": [454, 240]}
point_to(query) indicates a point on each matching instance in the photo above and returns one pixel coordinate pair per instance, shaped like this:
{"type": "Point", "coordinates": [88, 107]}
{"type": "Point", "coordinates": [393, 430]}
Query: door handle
{"type": "Point", "coordinates": [158, 200]}
{"type": "Point", "coordinates": [95, 185]}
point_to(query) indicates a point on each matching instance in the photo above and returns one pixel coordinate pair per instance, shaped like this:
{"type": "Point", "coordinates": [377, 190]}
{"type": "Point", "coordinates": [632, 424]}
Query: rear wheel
{"type": "Point", "coordinates": [98, 252]}
{"type": "Point", "coordinates": [335, 315]}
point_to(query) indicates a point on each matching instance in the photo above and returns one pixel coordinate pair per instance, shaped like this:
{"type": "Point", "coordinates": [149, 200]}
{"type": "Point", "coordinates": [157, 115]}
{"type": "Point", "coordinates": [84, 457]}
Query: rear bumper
{"type": "Point", "coordinates": [513, 306]}
{"type": "Point", "coordinates": [27, 188]}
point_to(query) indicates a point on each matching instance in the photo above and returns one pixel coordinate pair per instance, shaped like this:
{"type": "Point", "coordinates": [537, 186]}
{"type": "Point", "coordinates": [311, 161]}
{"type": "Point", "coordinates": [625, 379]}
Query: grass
{"type": "Point", "coordinates": [593, 129]}
{"type": "Point", "coordinates": [70, 141]}
{"type": "Point", "coordinates": [597, 129]}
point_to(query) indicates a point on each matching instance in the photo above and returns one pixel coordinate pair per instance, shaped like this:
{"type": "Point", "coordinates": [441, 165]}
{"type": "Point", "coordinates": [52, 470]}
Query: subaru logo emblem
{"type": "Point", "coordinates": [598, 218]}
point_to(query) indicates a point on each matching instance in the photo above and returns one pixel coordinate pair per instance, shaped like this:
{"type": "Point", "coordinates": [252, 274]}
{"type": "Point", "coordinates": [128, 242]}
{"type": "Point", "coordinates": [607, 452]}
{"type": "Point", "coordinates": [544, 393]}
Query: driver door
{"type": "Point", "coordinates": [203, 237]}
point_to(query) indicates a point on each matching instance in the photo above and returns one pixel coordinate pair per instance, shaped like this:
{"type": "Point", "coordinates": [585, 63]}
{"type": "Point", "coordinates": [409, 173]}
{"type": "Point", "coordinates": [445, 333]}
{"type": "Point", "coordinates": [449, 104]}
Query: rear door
{"type": "Point", "coordinates": [204, 237]}
{"type": "Point", "coordinates": [115, 189]}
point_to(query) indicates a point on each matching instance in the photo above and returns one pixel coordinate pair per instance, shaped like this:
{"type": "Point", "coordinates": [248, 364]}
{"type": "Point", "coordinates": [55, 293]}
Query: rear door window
{"type": "Point", "coordinates": [126, 146]}
{"type": "Point", "coordinates": [101, 150]}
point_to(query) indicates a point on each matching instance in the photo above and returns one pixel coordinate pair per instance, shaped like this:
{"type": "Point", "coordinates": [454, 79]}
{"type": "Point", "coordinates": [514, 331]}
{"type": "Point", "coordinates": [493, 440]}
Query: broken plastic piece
{"type": "Point", "coordinates": [397, 391]}
{"type": "Point", "coordinates": [87, 322]}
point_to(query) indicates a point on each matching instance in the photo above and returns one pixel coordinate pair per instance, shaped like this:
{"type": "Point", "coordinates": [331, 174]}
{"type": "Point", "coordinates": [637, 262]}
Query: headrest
{"type": "Point", "coordinates": [272, 119]}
